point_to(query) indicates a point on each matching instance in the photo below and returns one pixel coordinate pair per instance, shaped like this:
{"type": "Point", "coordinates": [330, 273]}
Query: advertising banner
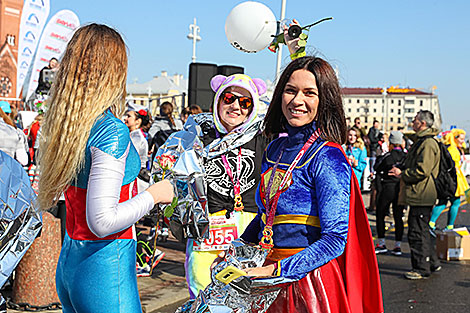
{"type": "Point", "coordinates": [33, 19]}
{"type": "Point", "coordinates": [54, 39]}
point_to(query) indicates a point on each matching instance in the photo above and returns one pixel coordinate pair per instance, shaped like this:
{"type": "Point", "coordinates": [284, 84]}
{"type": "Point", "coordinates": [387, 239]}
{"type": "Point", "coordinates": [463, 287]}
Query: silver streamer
{"type": "Point", "coordinates": [190, 218]}
{"type": "Point", "coordinates": [20, 218]}
{"type": "Point", "coordinates": [242, 295]}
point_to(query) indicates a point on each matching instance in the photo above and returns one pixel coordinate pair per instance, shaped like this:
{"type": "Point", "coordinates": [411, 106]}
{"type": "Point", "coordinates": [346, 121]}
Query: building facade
{"type": "Point", "coordinates": [392, 107]}
{"type": "Point", "coordinates": [160, 89]}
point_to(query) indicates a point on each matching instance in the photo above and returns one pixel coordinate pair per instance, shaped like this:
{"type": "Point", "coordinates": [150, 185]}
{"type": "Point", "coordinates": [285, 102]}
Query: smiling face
{"type": "Point", "coordinates": [232, 115]}
{"type": "Point", "coordinates": [352, 136]}
{"type": "Point", "coordinates": [300, 98]}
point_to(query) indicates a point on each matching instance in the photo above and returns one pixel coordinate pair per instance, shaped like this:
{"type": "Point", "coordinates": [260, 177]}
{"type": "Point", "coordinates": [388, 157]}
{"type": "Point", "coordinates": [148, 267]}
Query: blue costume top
{"type": "Point", "coordinates": [360, 155]}
{"type": "Point", "coordinates": [312, 214]}
{"type": "Point", "coordinates": [96, 268]}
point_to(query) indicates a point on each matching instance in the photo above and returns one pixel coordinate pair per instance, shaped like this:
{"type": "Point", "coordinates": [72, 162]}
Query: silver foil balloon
{"type": "Point", "coordinates": [242, 295]}
{"type": "Point", "coordinates": [190, 217]}
{"type": "Point", "coordinates": [20, 218]}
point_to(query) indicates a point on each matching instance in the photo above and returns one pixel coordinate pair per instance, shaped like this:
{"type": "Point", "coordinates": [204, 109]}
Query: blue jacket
{"type": "Point", "coordinates": [360, 155]}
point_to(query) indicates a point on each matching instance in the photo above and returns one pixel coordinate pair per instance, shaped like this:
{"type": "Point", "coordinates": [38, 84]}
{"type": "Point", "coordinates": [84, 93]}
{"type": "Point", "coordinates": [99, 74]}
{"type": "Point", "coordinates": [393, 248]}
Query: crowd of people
{"type": "Point", "coordinates": [291, 186]}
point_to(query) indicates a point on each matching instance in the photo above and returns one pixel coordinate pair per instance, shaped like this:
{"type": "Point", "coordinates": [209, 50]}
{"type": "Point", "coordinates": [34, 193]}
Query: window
{"type": "Point", "coordinates": [420, 103]}
{"type": "Point", "coordinates": [11, 40]}
{"type": "Point", "coordinates": [391, 119]}
{"type": "Point", "coordinates": [375, 100]}
{"type": "Point", "coordinates": [366, 110]}
{"type": "Point", "coordinates": [399, 120]}
{"type": "Point", "coordinates": [392, 101]}
{"type": "Point", "coordinates": [365, 119]}
{"type": "Point", "coordinates": [349, 110]}
{"type": "Point", "coordinates": [375, 110]}
{"type": "Point", "coordinates": [409, 102]}
{"type": "Point", "coordinates": [399, 111]}
{"type": "Point", "coordinates": [349, 101]}
{"type": "Point", "coordinates": [391, 110]}
{"type": "Point", "coordinates": [410, 110]}
{"type": "Point", "coordinates": [366, 101]}
{"type": "Point", "coordinates": [358, 101]}
{"type": "Point", "coordinates": [357, 110]}
{"type": "Point", "coordinates": [383, 101]}
{"type": "Point", "coordinates": [399, 102]}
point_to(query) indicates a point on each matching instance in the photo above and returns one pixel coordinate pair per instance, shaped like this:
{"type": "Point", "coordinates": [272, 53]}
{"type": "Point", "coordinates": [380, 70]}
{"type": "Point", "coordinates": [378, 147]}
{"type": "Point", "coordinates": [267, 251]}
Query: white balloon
{"type": "Point", "coordinates": [250, 26]}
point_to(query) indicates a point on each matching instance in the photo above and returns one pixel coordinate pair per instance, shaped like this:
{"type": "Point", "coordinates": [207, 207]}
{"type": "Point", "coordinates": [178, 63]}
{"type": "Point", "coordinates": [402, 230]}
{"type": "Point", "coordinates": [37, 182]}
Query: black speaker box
{"type": "Point", "coordinates": [200, 75]}
{"type": "Point", "coordinates": [228, 70]}
{"type": "Point", "coordinates": [200, 91]}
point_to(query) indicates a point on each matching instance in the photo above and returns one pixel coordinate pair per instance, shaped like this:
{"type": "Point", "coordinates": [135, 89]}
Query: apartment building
{"type": "Point", "coordinates": [393, 107]}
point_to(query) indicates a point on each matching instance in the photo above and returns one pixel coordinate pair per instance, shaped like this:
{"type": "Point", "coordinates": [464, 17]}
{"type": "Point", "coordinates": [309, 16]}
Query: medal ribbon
{"type": "Point", "coordinates": [267, 240]}
{"type": "Point", "coordinates": [238, 206]}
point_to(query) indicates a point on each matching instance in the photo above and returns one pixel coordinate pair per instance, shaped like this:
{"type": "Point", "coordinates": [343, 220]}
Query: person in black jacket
{"type": "Point", "coordinates": [374, 137]}
{"type": "Point", "coordinates": [388, 188]}
{"type": "Point", "coordinates": [44, 84]}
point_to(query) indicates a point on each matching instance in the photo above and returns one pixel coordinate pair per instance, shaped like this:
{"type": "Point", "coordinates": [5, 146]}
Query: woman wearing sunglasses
{"type": "Point", "coordinates": [231, 177]}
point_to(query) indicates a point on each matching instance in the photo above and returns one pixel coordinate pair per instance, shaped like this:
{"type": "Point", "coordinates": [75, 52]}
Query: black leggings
{"type": "Point", "coordinates": [389, 195]}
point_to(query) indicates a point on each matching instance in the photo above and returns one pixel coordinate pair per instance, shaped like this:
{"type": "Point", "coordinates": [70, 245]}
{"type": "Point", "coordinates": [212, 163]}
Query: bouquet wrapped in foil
{"type": "Point", "coordinates": [242, 294]}
{"type": "Point", "coordinates": [189, 213]}
{"type": "Point", "coordinates": [20, 218]}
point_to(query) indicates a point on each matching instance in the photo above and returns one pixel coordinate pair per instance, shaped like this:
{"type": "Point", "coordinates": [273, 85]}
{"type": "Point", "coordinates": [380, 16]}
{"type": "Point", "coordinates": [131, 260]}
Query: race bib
{"type": "Point", "coordinates": [222, 232]}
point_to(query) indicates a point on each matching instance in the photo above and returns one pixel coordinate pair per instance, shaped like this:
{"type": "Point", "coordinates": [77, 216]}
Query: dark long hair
{"type": "Point", "coordinates": [330, 114]}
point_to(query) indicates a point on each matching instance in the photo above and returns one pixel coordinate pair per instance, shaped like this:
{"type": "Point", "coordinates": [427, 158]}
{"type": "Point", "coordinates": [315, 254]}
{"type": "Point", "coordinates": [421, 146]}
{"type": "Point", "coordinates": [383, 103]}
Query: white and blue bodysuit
{"type": "Point", "coordinates": [96, 270]}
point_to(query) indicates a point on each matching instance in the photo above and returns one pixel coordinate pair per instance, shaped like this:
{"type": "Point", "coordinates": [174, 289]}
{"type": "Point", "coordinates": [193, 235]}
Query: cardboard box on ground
{"type": "Point", "coordinates": [453, 245]}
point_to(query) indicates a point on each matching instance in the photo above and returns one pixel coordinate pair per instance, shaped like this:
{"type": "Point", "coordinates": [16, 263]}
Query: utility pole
{"type": "Point", "coordinates": [194, 36]}
{"type": "Point", "coordinates": [279, 51]}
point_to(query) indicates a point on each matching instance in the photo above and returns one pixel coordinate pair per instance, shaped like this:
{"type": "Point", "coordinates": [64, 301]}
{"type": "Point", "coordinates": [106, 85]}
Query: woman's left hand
{"type": "Point", "coordinates": [261, 271]}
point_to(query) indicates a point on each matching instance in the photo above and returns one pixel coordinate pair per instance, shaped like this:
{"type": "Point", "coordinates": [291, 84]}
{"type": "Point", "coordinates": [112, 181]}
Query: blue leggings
{"type": "Point", "coordinates": [454, 209]}
{"type": "Point", "coordinates": [98, 276]}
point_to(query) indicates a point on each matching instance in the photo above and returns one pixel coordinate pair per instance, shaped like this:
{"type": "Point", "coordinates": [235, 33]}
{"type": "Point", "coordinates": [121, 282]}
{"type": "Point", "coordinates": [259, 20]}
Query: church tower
{"type": "Point", "coordinates": [10, 16]}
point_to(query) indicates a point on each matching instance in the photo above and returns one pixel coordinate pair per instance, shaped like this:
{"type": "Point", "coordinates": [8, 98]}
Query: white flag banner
{"type": "Point", "coordinates": [33, 19]}
{"type": "Point", "coordinates": [54, 39]}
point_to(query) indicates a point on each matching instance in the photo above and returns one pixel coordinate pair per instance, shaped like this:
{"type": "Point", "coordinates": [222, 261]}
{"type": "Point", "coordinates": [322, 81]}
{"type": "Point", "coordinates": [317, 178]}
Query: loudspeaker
{"type": "Point", "coordinates": [228, 70]}
{"type": "Point", "coordinates": [200, 75]}
{"type": "Point", "coordinates": [200, 92]}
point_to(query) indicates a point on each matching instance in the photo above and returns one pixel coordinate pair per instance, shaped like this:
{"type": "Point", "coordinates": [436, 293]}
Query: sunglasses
{"type": "Point", "coordinates": [229, 98]}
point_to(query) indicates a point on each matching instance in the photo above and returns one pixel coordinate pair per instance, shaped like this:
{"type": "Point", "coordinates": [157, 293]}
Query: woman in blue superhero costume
{"type": "Point", "coordinates": [311, 217]}
{"type": "Point", "coordinates": [87, 154]}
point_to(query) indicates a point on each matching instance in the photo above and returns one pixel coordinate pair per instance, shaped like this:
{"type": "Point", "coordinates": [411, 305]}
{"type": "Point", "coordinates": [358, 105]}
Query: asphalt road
{"type": "Point", "coordinates": [445, 291]}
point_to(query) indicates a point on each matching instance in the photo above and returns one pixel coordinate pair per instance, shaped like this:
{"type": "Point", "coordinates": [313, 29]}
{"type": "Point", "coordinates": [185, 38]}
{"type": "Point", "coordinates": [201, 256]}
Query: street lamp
{"type": "Point", "coordinates": [194, 36]}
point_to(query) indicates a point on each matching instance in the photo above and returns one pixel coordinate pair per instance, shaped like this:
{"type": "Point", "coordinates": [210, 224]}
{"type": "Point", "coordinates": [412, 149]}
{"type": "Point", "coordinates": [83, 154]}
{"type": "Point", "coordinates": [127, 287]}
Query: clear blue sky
{"type": "Point", "coordinates": [417, 43]}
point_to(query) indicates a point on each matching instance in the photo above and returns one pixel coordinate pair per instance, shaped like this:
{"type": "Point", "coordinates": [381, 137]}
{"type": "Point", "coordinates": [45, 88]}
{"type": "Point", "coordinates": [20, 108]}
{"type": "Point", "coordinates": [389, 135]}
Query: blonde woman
{"type": "Point", "coordinates": [455, 140]}
{"type": "Point", "coordinates": [94, 163]}
{"type": "Point", "coordinates": [356, 153]}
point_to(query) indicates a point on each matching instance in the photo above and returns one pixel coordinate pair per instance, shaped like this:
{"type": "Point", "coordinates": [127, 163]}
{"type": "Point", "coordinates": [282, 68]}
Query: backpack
{"type": "Point", "coordinates": [446, 180]}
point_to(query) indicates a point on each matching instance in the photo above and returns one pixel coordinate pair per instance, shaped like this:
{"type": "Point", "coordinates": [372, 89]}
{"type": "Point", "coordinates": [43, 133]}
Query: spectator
{"type": "Point", "coordinates": [165, 121]}
{"type": "Point", "coordinates": [12, 140]}
{"type": "Point", "coordinates": [388, 188]}
{"type": "Point", "coordinates": [374, 137]}
{"type": "Point", "coordinates": [193, 109]}
{"type": "Point", "coordinates": [421, 165]}
{"type": "Point", "coordinates": [162, 127]}
{"type": "Point", "coordinates": [33, 135]}
{"type": "Point", "coordinates": [356, 153]}
{"type": "Point", "coordinates": [45, 80]}
{"type": "Point", "coordinates": [456, 141]}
